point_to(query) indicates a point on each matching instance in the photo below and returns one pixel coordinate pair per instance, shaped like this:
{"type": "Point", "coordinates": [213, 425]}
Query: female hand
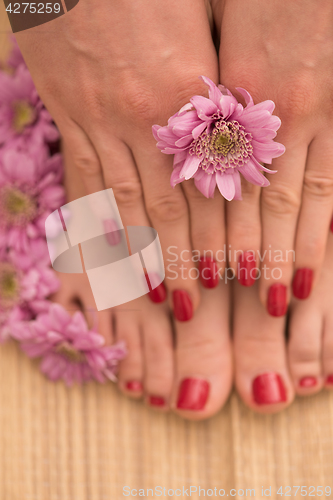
{"type": "Point", "coordinates": [283, 51]}
{"type": "Point", "coordinates": [107, 72]}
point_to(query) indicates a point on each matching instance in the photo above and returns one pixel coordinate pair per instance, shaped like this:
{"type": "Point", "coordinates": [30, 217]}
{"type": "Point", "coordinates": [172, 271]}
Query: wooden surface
{"type": "Point", "coordinates": [87, 443]}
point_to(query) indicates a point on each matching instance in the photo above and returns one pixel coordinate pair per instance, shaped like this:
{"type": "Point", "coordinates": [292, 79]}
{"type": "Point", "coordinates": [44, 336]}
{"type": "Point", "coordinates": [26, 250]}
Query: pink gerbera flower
{"type": "Point", "coordinates": [9, 318]}
{"type": "Point", "coordinates": [215, 140]}
{"type": "Point", "coordinates": [69, 350]}
{"type": "Point", "coordinates": [29, 192]}
{"type": "Point", "coordinates": [23, 118]}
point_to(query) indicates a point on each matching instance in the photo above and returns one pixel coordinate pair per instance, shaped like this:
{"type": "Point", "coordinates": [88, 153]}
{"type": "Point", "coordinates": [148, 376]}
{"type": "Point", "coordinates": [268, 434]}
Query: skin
{"type": "Point", "coordinates": [106, 80]}
{"type": "Point", "coordinates": [284, 53]}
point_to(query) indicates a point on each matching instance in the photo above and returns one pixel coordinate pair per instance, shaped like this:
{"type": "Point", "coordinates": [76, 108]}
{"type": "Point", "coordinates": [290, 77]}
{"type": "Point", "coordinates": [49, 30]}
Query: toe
{"type": "Point", "coordinates": [305, 347]}
{"type": "Point", "coordinates": [203, 358]}
{"type": "Point", "coordinates": [158, 357]}
{"type": "Point", "coordinates": [128, 329]}
{"type": "Point", "coordinates": [261, 371]}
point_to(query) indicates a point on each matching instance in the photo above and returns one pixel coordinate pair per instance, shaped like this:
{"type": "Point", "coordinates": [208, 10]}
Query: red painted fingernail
{"type": "Point", "coordinates": [159, 293]}
{"type": "Point", "coordinates": [331, 227]}
{"type": "Point", "coordinates": [247, 269]}
{"type": "Point", "coordinates": [193, 394]}
{"type": "Point", "coordinates": [308, 382]}
{"type": "Point", "coordinates": [182, 305]}
{"type": "Point", "coordinates": [329, 379]}
{"type": "Point", "coordinates": [209, 273]}
{"type": "Point", "coordinates": [268, 389]}
{"type": "Point", "coordinates": [277, 300]}
{"type": "Point", "coordinates": [156, 401]}
{"type": "Point", "coordinates": [302, 283]}
{"type": "Point", "coordinates": [134, 386]}
{"type": "Point", "coordinates": [112, 232]}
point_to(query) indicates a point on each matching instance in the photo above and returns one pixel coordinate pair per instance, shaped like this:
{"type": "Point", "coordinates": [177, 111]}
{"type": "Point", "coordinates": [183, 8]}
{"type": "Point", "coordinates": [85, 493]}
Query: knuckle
{"type": "Point", "coordinates": [166, 209]}
{"type": "Point", "coordinates": [280, 200]}
{"type": "Point", "coordinates": [141, 104]}
{"type": "Point", "coordinates": [317, 186]}
{"type": "Point", "coordinates": [127, 192]}
{"type": "Point", "coordinates": [87, 164]}
{"type": "Point", "coordinates": [296, 97]}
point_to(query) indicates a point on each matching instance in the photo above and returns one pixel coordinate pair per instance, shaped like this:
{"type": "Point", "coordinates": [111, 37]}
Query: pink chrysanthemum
{"type": "Point", "coordinates": [9, 318]}
{"type": "Point", "coordinates": [25, 286]}
{"type": "Point", "coordinates": [215, 140]}
{"type": "Point", "coordinates": [23, 118]}
{"type": "Point", "coordinates": [69, 351]}
{"type": "Point", "coordinates": [15, 58]}
{"type": "Point", "coordinates": [29, 192]}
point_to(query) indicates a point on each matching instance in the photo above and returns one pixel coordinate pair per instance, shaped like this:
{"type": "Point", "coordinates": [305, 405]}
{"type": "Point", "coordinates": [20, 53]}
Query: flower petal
{"type": "Point", "coordinates": [205, 107]}
{"type": "Point", "coordinates": [253, 175]}
{"type": "Point", "coordinates": [265, 152]}
{"type": "Point", "coordinates": [190, 166]}
{"type": "Point", "coordinates": [226, 185]}
{"type": "Point", "coordinates": [206, 184]}
{"type": "Point", "coordinates": [247, 97]}
{"type": "Point", "coordinates": [213, 91]}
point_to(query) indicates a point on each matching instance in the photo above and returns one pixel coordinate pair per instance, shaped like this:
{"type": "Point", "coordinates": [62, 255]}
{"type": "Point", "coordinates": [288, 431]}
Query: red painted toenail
{"type": "Point", "coordinates": [156, 401]}
{"type": "Point", "coordinates": [182, 305]}
{"type": "Point", "coordinates": [329, 379]}
{"type": "Point", "coordinates": [302, 283]}
{"type": "Point", "coordinates": [134, 386]}
{"type": "Point", "coordinates": [157, 294]}
{"type": "Point", "coordinates": [193, 394]}
{"type": "Point", "coordinates": [277, 300]}
{"type": "Point", "coordinates": [246, 272]}
{"type": "Point", "coordinates": [308, 382]}
{"type": "Point", "coordinates": [209, 273]}
{"type": "Point", "coordinates": [268, 389]}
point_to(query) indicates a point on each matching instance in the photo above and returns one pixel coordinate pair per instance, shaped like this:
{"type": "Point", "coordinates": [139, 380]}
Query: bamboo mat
{"type": "Point", "coordinates": [87, 443]}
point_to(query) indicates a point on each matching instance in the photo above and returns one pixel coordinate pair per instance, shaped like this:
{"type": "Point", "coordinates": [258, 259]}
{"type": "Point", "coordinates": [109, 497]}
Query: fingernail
{"type": "Point", "coordinates": [308, 382]}
{"type": "Point", "coordinates": [112, 232]}
{"type": "Point", "coordinates": [331, 227]}
{"type": "Point", "coordinates": [157, 294]}
{"type": "Point", "coordinates": [329, 379]}
{"type": "Point", "coordinates": [302, 283]}
{"type": "Point", "coordinates": [209, 273]}
{"type": "Point", "coordinates": [193, 394]}
{"type": "Point", "coordinates": [268, 389]}
{"type": "Point", "coordinates": [156, 401]}
{"type": "Point", "coordinates": [134, 386]}
{"type": "Point", "coordinates": [182, 305]}
{"type": "Point", "coordinates": [247, 269]}
{"type": "Point", "coordinates": [277, 300]}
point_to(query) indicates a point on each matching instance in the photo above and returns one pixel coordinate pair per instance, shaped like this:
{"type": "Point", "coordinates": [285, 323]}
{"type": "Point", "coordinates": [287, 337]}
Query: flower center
{"type": "Point", "coordinates": [24, 115]}
{"type": "Point", "coordinates": [227, 145]}
{"type": "Point", "coordinates": [67, 350]}
{"type": "Point", "coordinates": [17, 207]}
{"type": "Point", "coordinates": [9, 285]}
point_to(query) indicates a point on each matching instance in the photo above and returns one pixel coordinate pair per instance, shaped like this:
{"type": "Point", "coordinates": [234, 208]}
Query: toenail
{"type": "Point", "coordinates": [112, 233]}
{"type": "Point", "coordinates": [308, 382]}
{"type": "Point", "coordinates": [193, 394]}
{"type": "Point", "coordinates": [182, 305]}
{"type": "Point", "coordinates": [329, 379]}
{"type": "Point", "coordinates": [277, 300]}
{"type": "Point", "coordinates": [247, 273]}
{"type": "Point", "coordinates": [302, 283]}
{"type": "Point", "coordinates": [157, 294]}
{"type": "Point", "coordinates": [268, 389]}
{"type": "Point", "coordinates": [156, 401]}
{"type": "Point", "coordinates": [209, 273]}
{"type": "Point", "coordinates": [134, 386]}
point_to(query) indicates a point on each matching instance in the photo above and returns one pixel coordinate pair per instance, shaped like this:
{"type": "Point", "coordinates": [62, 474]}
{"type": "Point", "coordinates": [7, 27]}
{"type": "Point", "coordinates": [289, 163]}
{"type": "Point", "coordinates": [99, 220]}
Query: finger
{"type": "Point", "coordinates": [280, 203]}
{"type": "Point", "coordinates": [244, 234]}
{"type": "Point", "coordinates": [120, 174]}
{"type": "Point", "coordinates": [84, 157]}
{"type": "Point", "coordinates": [315, 216]}
{"type": "Point", "coordinates": [168, 211]}
{"type": "Point", "coordinates": [208, 236]}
